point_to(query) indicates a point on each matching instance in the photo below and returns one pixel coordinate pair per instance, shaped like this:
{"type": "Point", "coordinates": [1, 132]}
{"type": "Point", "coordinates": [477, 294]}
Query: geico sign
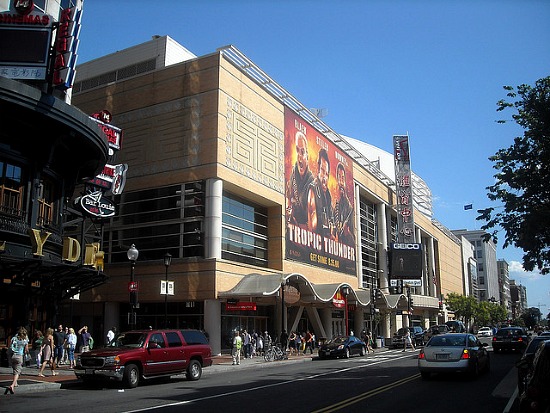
{"type": "Point", "coordinates": [406, 246]}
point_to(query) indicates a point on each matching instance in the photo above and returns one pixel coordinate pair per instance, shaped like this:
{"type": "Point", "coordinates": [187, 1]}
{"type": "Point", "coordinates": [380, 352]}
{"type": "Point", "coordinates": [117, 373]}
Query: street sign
{"type": "Point", "coordinates": [166, 287]}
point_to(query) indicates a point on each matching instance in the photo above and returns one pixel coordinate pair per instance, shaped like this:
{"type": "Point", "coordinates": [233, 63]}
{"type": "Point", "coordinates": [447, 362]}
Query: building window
{"type": "Point", "coordinates": [11, 189]}
{"type": "Point", "coordinates": [369, 252]}
{"type": "Point", "coordinates": [481, 280]}
{"type": "Point", "coordinates": [47, 198]}
{"type": "Point", "coordinates": [479, 267]}
{"type": "Point", "coordinates": [158, 220]}
{"type": "Point", "coordinates": [244, 231]}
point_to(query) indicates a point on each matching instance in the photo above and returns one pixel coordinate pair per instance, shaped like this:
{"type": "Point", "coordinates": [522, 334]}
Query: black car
{"type": "Point", "coordinates": [417, 336]}
{"type": "Point", "coordinates": [535, 397]}
{"type": "Point", "coordinates": [343, 346]}
{"type": "Point", "coordinates": [525, 364]}
{"type": "Point", "coordinates": [510, 338]}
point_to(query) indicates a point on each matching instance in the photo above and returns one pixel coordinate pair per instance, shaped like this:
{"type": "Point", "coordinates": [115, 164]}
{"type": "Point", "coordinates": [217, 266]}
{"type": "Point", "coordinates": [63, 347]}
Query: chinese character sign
{"type": "Point", "coordinates": [403, 181]}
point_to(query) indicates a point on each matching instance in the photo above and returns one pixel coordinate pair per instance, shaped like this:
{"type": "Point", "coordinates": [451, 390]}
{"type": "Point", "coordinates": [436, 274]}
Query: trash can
{"type": "Point", "coordinates": [379, 342]}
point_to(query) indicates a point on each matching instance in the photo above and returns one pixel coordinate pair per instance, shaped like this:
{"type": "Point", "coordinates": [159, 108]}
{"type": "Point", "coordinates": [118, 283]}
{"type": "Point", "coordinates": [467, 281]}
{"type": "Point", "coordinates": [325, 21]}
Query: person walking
{"type": "Point", "coordinates": [19, 346]}
{"type": "Point", "coordinates": [47, 353]}
{"type": "Point", "coordinates": [309, 342]}
{"type": "Point", "coordinates": [236, 348]}
{"type": "Point", "coordinates": [37, 347]}
{"type": "Point", "coordinates": [71, 341]}
{"type": "Point", "coordinates": [85, 338]}
{"type": "Point", "coordinates": [292, 343]}
{"type": "Point", "coordinates": [59, 339]}
{"type": "Point", "coordinates": [408, 340]}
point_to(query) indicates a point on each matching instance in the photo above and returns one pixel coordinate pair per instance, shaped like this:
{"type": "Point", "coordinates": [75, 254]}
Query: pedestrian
{"type": "Point", "coordinates": [236, 348]}
{"type": "Point", "coordinates": [267, 341]}
{"type": "Point", "coordinates": [66, 348]}
{"type": "Point", "coordinates": [47, 353]}
{"type": "Point", "coordinates": [284, 340]}
{"type": "Point", "coordinates": [19, 348]}
{"type": "Point", "coordinates": [259, 344]}
{"type": "Point", "coordinates": [111, 335]}
{"type": "Point", "coordinates": [368, 340]}
{"type": "Point", "coordinates": [71, 342]}
{"type": "Point", "coordinates": [299, 340]}
{"type": "Point", "coordinates": [85, 338]}
{"type": "Point", "coordinates": [292, 343]}
{"type": "Point", "coordinates": [59, 339]}
{"type": "Point", "coordinates": [246, 344]}
{"type": "Point", "coordinates": [308, 342]}
{"type": "Point", "coordinates": [408, 340]}
{"type": "Point", "coordinates": [37, 347]}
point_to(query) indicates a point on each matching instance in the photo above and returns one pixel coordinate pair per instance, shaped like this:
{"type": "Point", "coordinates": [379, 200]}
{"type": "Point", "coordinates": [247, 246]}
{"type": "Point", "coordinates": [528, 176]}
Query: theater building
{"type": "Point", "coordinates": [272, 219]}
{"type": "Point", "coordinates": [47, 148]}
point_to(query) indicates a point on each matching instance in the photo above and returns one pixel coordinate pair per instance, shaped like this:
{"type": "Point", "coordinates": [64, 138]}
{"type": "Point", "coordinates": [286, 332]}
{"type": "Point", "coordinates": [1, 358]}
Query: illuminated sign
{"type": "Point", "coordinates": [406, 261]}
{"type": "Point", "coordinates": [241, 306]}
{"type": "Point", "coordinates": [403, 181]}
{"type": "Point", "coordinates": [66, 45]}
{"type": "Point", "coordinates": [25, 39]}
{"type": "Point", "coordinates": [97, 205]}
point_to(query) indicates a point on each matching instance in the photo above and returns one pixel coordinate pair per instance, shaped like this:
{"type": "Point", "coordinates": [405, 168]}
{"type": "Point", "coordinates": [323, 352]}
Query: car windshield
{"type": "Point", "coordinates": [338, 340]}
{"type": "Point", "coordinates": [447, 341]}
{"type": "Point", "coordinates": [134, 340]}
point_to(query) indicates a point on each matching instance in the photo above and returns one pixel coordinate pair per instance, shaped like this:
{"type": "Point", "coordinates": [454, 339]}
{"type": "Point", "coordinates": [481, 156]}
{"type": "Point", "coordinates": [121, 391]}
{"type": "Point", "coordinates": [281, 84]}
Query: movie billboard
{"type": "Point", "coordinates": [319, 199]}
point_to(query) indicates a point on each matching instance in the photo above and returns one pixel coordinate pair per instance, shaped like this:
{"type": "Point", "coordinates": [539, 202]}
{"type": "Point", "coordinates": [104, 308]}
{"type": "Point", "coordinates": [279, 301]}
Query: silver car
{"type": "Point", "coordinates": [453, 352]}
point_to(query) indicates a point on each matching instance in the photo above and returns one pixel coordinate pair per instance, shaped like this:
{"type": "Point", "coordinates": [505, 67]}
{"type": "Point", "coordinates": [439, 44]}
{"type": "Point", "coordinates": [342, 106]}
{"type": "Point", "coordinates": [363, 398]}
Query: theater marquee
{"type": "Point", "coordinates": [319, 199]}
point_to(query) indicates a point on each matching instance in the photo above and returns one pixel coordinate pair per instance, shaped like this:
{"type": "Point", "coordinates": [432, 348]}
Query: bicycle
{"type": "Point", "coordinates": [274, 352]}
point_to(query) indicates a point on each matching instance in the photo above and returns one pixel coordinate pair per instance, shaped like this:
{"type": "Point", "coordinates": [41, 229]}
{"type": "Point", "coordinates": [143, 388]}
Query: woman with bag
{"type": "Point", "coordinates": [47, 353]}
{"type": "Point", "coordinates": [19, 347]}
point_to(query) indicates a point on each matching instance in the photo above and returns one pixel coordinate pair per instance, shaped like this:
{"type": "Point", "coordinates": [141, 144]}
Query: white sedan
{"type": "Point", "coordinates": [485, 332]}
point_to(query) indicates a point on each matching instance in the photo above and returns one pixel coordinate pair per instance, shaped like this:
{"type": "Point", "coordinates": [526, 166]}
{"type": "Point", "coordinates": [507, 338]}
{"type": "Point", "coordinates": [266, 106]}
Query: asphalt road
{"type": "Point", "coordinates": [384, 382]}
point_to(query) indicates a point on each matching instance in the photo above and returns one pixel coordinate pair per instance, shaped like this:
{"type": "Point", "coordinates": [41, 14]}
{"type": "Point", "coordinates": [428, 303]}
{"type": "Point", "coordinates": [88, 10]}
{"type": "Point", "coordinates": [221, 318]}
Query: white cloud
{"type": "Point", "coordinates": [517, 271]}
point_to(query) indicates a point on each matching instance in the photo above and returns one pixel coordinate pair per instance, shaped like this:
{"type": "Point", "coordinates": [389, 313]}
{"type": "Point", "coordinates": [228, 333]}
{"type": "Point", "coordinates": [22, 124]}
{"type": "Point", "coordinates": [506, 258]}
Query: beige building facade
{"type": "Point", "coordinates": [210, 143]}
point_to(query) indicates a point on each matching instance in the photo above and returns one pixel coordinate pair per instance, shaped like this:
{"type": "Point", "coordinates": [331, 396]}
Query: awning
{"type": "Point", "coordinates": [257, 286]}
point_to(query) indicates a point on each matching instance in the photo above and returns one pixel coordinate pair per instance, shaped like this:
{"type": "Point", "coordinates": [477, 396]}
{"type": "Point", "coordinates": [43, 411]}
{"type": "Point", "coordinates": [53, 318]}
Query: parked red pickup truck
{"type": "Point", "coordinates": [144, 354]}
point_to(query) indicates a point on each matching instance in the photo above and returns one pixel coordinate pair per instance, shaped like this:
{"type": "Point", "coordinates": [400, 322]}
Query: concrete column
{"type": "Point", "coordinates": [213, 218]}
{"type": "Point", "coordinates": [359, 320]}
{"type": "Point", "coordinates": [212, 324]}
{"type": "Point", "coordinates": [326, 319]}
{"type": "Point", "coordinates": [110, 318]}
{"type": "Point", "coordinates": [358, 260]}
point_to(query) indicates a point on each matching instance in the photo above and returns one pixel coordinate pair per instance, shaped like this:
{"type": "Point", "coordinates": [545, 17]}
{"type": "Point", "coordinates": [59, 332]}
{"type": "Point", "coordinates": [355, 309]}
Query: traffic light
{"type": "Point", "coordinates": [440, 306]}
{"type": "Point", "coordinates": [411, 301]}
{"type": "Point", "coordinates": [379, 294]}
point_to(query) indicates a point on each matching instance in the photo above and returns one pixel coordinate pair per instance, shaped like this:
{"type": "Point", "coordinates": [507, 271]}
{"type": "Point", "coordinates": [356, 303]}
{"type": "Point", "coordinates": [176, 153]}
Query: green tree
{"type": "Point", "coordinates": [521, 183]}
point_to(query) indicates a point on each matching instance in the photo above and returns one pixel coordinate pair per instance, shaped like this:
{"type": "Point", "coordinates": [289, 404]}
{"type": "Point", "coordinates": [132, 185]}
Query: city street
{"type": "Point", "coordinates": [380, 382]}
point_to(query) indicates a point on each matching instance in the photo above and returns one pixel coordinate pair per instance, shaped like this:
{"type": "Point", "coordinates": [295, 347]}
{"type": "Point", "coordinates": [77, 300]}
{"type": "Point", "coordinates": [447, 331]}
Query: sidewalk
{"type": "Point", "coordinates": [30, 382]}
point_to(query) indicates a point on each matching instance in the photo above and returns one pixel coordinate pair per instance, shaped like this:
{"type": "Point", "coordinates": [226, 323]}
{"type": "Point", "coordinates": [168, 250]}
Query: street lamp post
{"type": "Point", "coordinates": [346, 292]}
{"type": "Point", "coordinates": [167, 262]}
{"type": "Point", "coordinates": [132, 254]}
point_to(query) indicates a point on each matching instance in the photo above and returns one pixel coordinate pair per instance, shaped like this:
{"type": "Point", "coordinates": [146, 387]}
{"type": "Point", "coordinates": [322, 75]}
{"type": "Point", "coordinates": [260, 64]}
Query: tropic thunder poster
{"type": "Point", "coordinates": [320, 204]}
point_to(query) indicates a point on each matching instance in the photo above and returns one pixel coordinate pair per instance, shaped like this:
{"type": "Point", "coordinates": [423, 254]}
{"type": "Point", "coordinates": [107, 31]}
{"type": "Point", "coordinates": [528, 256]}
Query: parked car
{"type": "Point", "coordinates": [456, 326]}
{"type": "Point", "coordinates": [510, 338]}
{"type": "Point", "coordinates": [525, 364]}
{"type": "Point", "coordinates": [485, 332]}
{"type": "Point", "coordinates": [535, 397]}
{"type": "Point", "coordinates": [145, 354]}
{"type": "Point", "coordinates": [435, 330]}
{"type": "Point", "coordinates": [343, 346]}
{"type": "Point", "coordinates": [417, 335]}
{"type": "Point", "coordinates": [453, 352]}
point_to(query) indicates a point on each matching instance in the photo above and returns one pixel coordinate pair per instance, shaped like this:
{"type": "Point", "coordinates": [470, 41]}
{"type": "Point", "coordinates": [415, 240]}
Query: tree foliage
{"type": "Point", "coordinates": [521, 183]}
{"type": "Point", "coordinates": [483, 313]}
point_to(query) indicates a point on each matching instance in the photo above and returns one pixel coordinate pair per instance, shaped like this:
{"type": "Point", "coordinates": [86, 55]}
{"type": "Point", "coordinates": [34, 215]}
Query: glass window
{"type": "Point", "coordinates": [244, 231]}
{"type": "Point", "coordinates": [369, 252]}
{"type": "Point", "coordinates": [173, 338]}
{"type": "Point", "coordinates": [159, 220]}
{"type": "Point", "coordinates": [11, 189]}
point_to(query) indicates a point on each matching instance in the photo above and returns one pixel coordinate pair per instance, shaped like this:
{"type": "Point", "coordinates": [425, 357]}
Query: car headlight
{"type": "Point", "coordinates": [340, 347]}
{"type": "Point", "coordinates": [112, 361]}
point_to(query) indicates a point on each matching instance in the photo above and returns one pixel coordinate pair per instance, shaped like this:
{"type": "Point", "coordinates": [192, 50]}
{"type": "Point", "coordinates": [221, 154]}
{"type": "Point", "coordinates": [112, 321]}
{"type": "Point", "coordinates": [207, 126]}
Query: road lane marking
{"type": "Point", "coordinates": [360, 397]}
{"type": "Point", "coordinates": [232, 393]}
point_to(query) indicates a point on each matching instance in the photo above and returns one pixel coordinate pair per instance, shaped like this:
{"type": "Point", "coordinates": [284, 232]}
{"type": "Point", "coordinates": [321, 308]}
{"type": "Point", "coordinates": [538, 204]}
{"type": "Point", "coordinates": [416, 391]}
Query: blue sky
{"type": "Point", "coordinates": [433, 69]}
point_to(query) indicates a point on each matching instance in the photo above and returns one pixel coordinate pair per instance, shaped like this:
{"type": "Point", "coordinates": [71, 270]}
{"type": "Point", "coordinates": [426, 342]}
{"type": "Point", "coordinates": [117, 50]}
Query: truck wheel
{"type": "Point", "coordinates": [194, 370]}
{"type": "Point", "coordinates": [131, 376]}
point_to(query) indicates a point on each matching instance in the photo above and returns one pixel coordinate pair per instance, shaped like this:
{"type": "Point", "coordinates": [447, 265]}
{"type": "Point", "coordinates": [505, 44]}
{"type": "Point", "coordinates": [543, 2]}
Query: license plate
{"type": "Point", "coordinates": [442, 357]}
{"type": "Point", "coordinates": [90, 371]}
